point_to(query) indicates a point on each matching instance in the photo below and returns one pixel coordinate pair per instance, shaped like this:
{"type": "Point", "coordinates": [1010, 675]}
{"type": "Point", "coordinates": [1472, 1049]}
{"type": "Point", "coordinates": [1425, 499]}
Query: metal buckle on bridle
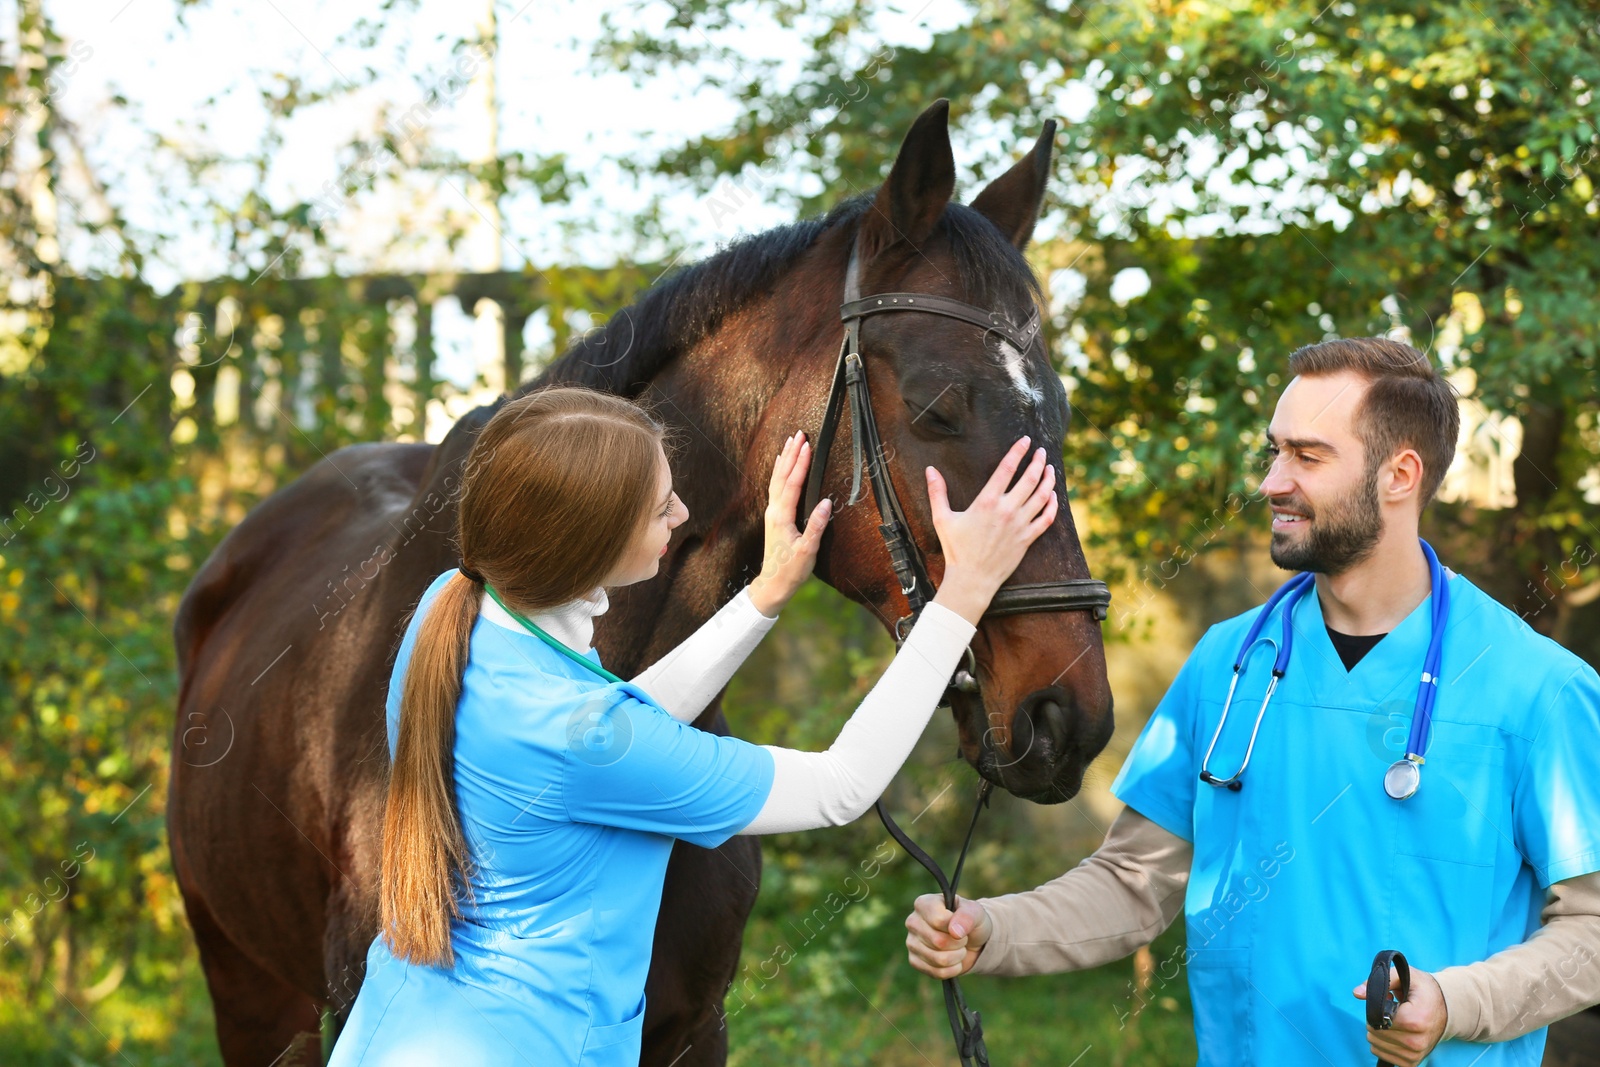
{"type": "Point", "coordinates": [1073, 594]}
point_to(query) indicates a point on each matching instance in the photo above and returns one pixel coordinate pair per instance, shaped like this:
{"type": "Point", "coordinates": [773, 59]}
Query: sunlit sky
{"type": "Point", "coordinates": [193, 80]}
{"type": "Point", "coordinates": [196, 83]}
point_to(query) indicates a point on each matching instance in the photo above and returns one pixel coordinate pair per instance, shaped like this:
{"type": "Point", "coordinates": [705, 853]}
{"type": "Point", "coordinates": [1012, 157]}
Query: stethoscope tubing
{"type": "Point", "coordinates": [1288, 596]}
{"type": "Point", "coordinates": [1428, 690]}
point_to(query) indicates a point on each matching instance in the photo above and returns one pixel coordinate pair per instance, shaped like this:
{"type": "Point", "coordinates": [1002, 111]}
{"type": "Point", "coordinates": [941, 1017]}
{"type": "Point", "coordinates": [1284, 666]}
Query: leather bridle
{"type": "Point", "coordinates": [850, 386]}
{"type": "Point", "coordinates": [1070, 594]}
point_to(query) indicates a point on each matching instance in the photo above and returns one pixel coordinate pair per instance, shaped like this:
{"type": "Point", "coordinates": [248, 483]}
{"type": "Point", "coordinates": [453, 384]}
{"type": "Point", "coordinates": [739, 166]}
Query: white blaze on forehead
{"type": "Point", "coordinates": [1015, 363]}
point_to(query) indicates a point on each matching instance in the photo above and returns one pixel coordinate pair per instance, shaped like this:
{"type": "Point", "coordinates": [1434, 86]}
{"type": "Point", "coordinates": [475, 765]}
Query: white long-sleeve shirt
{"type": "Point", "coordinates": [809, 789]}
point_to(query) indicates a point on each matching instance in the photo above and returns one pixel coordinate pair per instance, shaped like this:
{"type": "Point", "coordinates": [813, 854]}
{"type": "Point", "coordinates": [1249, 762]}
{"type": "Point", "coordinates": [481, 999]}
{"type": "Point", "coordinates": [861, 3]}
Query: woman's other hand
{"type": "Point", "coordinates": [983, 544]}
{"type": "Point", "coordinates": [790, 555]}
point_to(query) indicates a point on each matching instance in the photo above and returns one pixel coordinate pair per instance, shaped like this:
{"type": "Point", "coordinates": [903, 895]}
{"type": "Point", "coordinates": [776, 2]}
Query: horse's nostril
{"type": "Point", "coordinates": [1042, 726]}
{"type": "Point", "coordinates": [1050, 720]}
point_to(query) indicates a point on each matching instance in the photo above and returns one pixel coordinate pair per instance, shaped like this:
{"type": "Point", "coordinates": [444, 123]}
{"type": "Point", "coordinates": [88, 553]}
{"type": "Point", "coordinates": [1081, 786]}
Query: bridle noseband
{"type": "Point", "coordinates": [1070, 594]}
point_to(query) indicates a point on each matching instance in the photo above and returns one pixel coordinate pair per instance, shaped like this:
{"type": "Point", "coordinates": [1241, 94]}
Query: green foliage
{"type": "Point", "coordinates": [823, 978]}
{"type": "Point", "coordinates": [1282, 172]}
{"type": "Point", "coordinates": [90, 574]}
{"type": "Point", "coordinates": [1425, 166]}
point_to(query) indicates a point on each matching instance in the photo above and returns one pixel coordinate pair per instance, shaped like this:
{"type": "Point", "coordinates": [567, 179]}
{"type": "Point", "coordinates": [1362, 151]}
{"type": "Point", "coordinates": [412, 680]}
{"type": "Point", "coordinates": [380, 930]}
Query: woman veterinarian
{"type": "Point", "coordinates": [1299, 838]}
{"type": "Point", "coordinates": [535, 797]}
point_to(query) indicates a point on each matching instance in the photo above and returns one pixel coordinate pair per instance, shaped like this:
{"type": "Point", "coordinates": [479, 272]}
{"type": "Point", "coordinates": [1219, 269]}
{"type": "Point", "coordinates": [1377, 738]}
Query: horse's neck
{"type": "Point", "coordinates": [720, 426]}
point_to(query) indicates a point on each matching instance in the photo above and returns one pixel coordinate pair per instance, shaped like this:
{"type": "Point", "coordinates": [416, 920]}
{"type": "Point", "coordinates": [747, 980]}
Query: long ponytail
{"type": "Point", "coordinates": [425, 854]}
{"type": "Point", "coordinates": [554, 491]}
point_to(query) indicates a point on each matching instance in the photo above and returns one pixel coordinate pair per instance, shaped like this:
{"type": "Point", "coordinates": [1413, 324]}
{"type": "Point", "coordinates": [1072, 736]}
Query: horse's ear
{"type": "Point", "coordinates": [1012, 200]}
{"type": "Point", "coordinates": [909, 203]}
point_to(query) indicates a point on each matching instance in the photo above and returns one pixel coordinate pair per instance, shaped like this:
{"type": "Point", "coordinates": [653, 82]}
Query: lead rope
{"type": "Point", "coordinates": [966, 1025]}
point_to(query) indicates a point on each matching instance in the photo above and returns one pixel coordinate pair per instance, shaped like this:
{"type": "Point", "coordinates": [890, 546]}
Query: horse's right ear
{"type": "Point", "coordinates": [1012, 200]}
{"type": "Point", "coordinates": [910, 202]}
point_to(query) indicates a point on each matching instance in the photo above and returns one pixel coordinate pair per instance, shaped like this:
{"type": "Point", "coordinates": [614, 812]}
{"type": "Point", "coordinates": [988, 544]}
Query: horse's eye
{"type": "Point", "coordinates": [928, 419]}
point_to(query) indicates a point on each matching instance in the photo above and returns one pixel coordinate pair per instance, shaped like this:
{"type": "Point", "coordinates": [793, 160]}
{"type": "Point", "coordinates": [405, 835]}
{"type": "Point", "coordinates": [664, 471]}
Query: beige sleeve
{"type": "Point", "coordinates": [1114, 902]}
{"type": "Point", "coordinates": [1531, 984]}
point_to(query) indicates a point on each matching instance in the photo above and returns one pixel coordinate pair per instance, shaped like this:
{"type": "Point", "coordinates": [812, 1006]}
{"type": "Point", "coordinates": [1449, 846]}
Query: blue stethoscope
{"type": "Point", "coordinates": [1403, 777]}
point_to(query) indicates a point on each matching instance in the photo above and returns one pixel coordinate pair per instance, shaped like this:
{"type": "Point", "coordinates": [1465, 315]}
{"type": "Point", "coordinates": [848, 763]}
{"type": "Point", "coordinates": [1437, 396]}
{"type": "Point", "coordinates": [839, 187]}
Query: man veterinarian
{"type": "Point", "coordinates": [1425, 777]}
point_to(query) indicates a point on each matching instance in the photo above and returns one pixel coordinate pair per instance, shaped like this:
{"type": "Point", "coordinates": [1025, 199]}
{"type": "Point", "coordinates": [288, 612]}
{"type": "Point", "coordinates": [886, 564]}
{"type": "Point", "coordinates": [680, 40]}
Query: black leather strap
{"type": "Point", "coordinates": [895, 528]}
{"type": "Point", "coordinates": [823, 445]}
{"type": "Point", "coordinates": [1069, 594]}
{"type": "Point", "coordinates": [849, 389]}
{"type": "Point", "coordinates": [1381, 1003]}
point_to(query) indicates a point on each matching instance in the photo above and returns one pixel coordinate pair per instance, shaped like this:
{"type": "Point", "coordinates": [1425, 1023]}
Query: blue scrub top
{"type": "Point", "coordinates": [571, 793]}
{"type": "Point", "coordinates": [1308, 871]}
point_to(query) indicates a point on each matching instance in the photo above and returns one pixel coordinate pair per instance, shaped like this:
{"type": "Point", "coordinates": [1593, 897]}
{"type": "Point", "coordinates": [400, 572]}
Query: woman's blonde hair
{"type": "Point", "coordinates": [557, 486]}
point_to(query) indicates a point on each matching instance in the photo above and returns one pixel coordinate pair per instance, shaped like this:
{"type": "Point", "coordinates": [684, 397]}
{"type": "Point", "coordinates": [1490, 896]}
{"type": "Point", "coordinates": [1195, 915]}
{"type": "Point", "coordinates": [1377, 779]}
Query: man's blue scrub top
{"type": "Point", "coordinates": [571, 792]}
{"type": "Point", "coordinates": [1311, 869]}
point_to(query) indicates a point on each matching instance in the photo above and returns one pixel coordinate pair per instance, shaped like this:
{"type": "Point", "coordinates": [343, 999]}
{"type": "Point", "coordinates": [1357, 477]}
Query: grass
{"type": "Point", "coordinates": [847, 996]}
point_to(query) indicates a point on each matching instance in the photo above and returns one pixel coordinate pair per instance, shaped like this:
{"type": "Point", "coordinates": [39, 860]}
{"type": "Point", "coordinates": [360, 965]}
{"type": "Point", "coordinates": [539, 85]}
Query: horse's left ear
{"type": "Point", "coordinates": [912, 199]}
{"type": "Point", "coordinates": [1012, 200]}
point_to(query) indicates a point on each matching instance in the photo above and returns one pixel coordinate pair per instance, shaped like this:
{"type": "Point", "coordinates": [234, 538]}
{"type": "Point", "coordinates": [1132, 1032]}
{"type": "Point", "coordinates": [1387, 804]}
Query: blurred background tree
{"type": "Point", "coordinates": [1233, 180]}
{"type": "Point", "coordinates": [140, 424]}
{"type": "Point", "coordinates": [1258, 176]}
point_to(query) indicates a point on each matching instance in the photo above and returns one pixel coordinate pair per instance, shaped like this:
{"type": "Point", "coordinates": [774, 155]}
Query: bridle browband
{"type": "Point", "coordinates": [1021, 338]}
{"type": "Point", "coordinates": [1069, 594]}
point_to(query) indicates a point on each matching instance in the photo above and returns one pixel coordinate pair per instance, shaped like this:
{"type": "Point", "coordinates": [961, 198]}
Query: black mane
{"type": "Point", "coordinates": [673, 316]}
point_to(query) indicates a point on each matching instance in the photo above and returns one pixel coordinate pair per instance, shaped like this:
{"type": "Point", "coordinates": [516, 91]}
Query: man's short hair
{"type": "Point", "coordinates": [1409, 404]}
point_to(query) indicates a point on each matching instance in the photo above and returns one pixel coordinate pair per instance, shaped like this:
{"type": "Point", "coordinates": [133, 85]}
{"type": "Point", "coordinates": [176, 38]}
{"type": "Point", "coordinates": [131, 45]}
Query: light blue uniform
{"type": "Point", "coordinates": [1311, 869]}
{"type": "Point", "coordinates": [571, 792]}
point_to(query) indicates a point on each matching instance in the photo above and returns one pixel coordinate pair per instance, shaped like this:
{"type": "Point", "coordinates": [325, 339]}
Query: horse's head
{"type": "Point", "coordinates": [955, 396]}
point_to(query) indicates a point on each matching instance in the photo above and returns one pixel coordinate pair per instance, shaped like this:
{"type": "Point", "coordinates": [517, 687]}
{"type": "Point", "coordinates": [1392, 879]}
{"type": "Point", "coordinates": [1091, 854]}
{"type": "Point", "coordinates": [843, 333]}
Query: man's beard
{"type": "Point", "coordinates": [1341, 534]}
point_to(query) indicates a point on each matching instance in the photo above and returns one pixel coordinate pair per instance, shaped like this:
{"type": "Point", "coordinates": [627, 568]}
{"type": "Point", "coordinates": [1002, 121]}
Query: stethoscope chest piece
{"type": "Point", "coordinates": [1402, 778]}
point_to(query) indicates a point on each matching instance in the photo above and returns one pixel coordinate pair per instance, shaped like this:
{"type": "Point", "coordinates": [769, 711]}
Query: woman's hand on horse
{"type": "Point", "coordinates": [944, 943]}
{"type": "Point", "coordinates": [790, 554]}
{"type": "Point", "coordinates": [983, 544]}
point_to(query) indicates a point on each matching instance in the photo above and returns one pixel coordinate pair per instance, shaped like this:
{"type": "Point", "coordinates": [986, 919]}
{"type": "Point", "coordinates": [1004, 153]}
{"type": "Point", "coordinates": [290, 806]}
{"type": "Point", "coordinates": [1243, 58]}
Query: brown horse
{"type": "Point", "coordinates": [280, 760]}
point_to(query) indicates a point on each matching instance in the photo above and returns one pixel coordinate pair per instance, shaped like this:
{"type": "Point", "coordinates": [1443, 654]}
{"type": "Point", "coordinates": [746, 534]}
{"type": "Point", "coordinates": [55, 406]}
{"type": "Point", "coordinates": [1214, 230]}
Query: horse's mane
{"type": "Point", "coordinates": [673, 316]}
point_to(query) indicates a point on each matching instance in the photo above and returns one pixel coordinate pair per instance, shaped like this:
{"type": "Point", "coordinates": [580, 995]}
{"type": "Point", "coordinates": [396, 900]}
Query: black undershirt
{"type": "Point", "coordinates": [1351, 647]}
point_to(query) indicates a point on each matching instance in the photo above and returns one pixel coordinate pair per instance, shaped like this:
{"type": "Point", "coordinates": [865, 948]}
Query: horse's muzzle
{"type": "Point", "coordinates": [1048, 748]}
